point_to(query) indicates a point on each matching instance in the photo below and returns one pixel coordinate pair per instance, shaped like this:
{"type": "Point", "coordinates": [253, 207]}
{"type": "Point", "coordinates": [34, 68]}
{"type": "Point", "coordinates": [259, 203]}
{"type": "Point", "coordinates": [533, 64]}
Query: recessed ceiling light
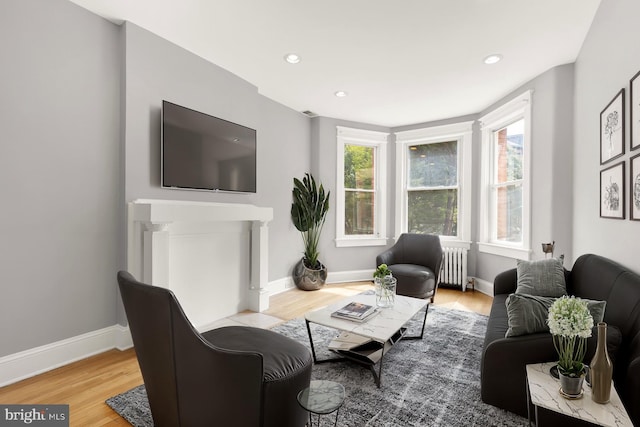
{"type": "Point", "coordinates": [493, 58]}
{"type": "Point", "coordinates": [341, 94]}
{"type": "Point", "coordinates": [292, 58]}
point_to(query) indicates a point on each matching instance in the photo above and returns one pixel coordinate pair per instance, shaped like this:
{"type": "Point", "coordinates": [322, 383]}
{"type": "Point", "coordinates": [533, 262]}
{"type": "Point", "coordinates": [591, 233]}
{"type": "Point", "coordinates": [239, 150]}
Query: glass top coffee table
{"type": "Point", "coordinates": [367, 342]}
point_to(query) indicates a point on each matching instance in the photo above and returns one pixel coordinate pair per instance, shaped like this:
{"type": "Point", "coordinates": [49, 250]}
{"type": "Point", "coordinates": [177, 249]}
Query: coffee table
{"type": "Point", "coordinates": [543, 391]}
{"type": "Point", "coordinates": [367, 342]}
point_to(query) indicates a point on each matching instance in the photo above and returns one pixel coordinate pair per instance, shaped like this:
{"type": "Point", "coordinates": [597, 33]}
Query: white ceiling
{"type": "Point", "coordinates": [401, 61]}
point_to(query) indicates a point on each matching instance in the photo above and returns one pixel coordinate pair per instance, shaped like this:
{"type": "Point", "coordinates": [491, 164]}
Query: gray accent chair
{"type": "Point", "coordinates": [230, 376]}
{"type": "Point", "coordinates": [415, 261]}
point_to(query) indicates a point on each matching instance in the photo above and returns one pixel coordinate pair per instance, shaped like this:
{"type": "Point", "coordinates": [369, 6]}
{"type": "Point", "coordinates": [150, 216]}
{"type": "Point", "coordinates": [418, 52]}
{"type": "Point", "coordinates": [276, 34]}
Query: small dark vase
{"type": "Point", "coordinates": [309, 279]}
{"type": "Point", "coordinates": [571, 386]}
{"type": "Point", "coordinates": [601, 369]}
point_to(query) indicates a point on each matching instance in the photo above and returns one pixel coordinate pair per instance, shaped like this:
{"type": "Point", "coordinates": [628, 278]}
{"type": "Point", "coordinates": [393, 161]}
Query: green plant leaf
{"type": "Point", "coordinates": [308, 213]}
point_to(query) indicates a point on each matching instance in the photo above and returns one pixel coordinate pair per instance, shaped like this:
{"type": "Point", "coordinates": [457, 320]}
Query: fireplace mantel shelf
{"type": "Point", "coordinates": [161, 211]}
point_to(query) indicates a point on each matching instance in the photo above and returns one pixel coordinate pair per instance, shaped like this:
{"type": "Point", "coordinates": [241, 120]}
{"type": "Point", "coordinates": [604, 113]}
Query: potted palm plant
{"type": "Point", "coordinates": [308, 212]}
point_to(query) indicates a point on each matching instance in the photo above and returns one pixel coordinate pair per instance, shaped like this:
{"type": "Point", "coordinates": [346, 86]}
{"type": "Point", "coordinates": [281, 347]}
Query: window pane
{"type": "Point", "coordinates": [433, 165]}
{"type": "Point", "coordinates": [509, 146]}
{"type": "Point", "coordinates": [433, 212]}
{"type": "Point", "coordinates": [509, 213]}
{"type": "Point", "coordinates": [358, 167]}
{"type": "Point", "coordinates": [358, 212]}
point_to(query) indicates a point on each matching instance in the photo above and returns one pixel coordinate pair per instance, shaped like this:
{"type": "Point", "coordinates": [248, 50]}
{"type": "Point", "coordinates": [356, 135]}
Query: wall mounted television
{"type": "Point", "coordinates": [202, 152]}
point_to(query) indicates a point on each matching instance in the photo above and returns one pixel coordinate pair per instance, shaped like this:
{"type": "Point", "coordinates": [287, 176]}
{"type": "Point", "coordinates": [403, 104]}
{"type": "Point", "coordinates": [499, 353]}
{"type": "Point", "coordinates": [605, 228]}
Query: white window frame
{"type": "Point", "coordinates": [514, 110]}
{"type": "Point", "coordinates": [461, 132]}
{"type": "Point", "coordinates": [377, 140]}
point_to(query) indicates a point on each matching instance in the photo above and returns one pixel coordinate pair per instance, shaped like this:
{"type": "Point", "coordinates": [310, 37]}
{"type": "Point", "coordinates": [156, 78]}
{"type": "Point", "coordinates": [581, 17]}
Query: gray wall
{"type": "Point", "coordinates": [610, 56]}
{"type": "Point", "coordinates": [156, 69]}
{"type": "Point", "coordinates": [60, 221]}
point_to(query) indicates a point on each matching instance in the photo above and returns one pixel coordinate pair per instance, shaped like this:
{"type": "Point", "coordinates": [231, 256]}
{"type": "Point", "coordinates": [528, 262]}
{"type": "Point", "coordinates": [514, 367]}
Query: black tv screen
{"type": "Point", "coordinates": [202, 152]}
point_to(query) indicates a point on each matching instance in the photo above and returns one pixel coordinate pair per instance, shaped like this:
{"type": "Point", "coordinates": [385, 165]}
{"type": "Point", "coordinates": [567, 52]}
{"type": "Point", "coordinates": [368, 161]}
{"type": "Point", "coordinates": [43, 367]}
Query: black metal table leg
{"type": "Point", "coordinates": [313, 350]}
{"type": "Point", "coordinates": [424, 322]}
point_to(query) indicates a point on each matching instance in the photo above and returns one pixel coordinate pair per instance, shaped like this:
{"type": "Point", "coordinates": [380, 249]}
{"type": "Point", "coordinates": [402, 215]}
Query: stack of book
{"type": "Point", "coordinates": [356, 311]}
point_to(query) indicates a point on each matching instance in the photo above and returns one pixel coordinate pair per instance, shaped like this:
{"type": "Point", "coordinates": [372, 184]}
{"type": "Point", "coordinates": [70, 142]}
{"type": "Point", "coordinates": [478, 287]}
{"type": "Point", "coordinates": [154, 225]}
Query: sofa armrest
{"type": "Point", "coordinates": [505, 282]}
{"type": "Point", "coordinates": [503, 373]}
{"type": "Point", "coordinates": [631, 390]}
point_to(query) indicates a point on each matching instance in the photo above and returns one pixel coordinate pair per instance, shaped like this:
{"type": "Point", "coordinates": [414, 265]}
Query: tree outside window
{"type": "Point", "coordinates": [359, 187]}
{"type": "Point", "coordinates": [433, 188]}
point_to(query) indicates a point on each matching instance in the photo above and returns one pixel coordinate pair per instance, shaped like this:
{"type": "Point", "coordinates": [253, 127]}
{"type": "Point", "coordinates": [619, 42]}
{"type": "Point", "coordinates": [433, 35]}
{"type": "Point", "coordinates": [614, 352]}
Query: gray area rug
{"type": "Point", "coordinates": [430, 382]}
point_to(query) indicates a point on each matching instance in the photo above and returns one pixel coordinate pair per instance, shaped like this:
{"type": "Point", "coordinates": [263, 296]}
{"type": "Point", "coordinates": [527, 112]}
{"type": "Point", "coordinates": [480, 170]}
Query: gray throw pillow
{"type": "Point", "coordinates": [543, 278]}
{"type": "Point", "coordinates": [527, 314]}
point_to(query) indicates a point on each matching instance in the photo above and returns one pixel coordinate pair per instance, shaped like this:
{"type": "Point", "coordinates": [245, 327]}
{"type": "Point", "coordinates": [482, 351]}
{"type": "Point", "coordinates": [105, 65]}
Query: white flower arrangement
{"type": "Point", "coordinates": [570, 323]}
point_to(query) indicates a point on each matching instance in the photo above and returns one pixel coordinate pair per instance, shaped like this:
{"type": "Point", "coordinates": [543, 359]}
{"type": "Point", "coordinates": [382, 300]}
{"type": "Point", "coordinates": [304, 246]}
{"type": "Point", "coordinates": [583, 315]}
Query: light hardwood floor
{"type": "Point", "coordinates": [86, 384]}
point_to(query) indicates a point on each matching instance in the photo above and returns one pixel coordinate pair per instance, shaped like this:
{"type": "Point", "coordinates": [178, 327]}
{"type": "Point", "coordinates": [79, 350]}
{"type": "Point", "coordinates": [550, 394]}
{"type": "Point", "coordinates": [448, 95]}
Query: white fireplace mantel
{"type": "Point", "coordinates": [167, 211]}
{"type": "Point", "coordinates": [154, 230]}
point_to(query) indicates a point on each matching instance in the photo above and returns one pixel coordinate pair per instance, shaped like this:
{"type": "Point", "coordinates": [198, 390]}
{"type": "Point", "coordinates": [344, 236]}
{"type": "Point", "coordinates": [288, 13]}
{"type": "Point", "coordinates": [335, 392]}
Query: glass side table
{"type": "Point", "coordinates": [322, 398]}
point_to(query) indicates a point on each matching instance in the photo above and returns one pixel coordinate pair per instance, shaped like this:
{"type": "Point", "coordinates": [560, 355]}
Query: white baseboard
{"type": "Point", "coordinates": [18, 366]}
{"type": "Point", "coordinates": [483, 286]}
{"type": "Point", "coordinates": [286, 283]}
{"type": "Point", "coordinates": [280, 285]}
{"type": "Point", "coordinates": [350, 276]}
{"type": "Point", "coordinates": [122, 337]}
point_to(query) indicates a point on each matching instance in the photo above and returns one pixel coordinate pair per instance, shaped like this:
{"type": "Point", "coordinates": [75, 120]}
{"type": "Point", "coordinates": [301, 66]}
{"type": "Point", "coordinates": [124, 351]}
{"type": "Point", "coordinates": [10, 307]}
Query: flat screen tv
{"type": "Point", "coordinates": [202, 152]}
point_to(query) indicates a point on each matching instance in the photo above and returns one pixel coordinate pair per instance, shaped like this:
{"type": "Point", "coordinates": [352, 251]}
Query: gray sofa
{"type": "Point", "coordinates": [503, 379]}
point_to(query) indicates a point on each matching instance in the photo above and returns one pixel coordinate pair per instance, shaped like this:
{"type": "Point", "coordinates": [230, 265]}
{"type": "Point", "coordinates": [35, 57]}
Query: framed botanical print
{"type": "Point", "coordinates": [634, 88]}
{"type": "Point", "coordinates": [612, 192]}
{"type": "Point", "coordinates": [634, 188]}
{"type": "Point", "coordinates": [612, 129]}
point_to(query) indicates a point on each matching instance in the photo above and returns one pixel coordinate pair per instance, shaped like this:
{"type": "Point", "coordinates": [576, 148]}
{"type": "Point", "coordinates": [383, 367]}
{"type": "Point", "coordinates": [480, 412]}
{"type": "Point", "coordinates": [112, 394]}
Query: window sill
{"type": "Point", "coordinates": [505, 251]}
{"type": "Point", "coordinates": [360, 241]}
{"type": "Point", "coordinates": [454, 243]}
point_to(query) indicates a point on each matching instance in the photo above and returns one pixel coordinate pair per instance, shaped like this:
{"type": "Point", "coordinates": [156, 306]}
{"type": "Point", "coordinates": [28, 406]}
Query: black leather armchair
{"type": "Point", "coordinates": [231, 376]}
{"type": "Point", "coordinates": [415, 260]}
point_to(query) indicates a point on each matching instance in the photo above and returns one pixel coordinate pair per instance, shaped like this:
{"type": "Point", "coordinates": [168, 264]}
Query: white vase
{"type": "Point", "coordinates": [385, 291]}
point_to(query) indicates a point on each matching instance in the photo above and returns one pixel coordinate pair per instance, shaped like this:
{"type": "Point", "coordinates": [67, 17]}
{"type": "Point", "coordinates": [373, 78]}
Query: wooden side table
{"type": "Point", "coordinates": [543, 391]}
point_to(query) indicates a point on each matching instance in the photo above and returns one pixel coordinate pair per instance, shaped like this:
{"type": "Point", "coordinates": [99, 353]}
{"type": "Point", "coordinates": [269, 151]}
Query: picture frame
{"type": "Point", "coordinates": [612, 129]}
{"type": "Point", "coordinates": [634, 188]}
{"type": "Point", "coordinates": [612, 195]}
{"type": "Point", "coordinates": [634, 95]}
